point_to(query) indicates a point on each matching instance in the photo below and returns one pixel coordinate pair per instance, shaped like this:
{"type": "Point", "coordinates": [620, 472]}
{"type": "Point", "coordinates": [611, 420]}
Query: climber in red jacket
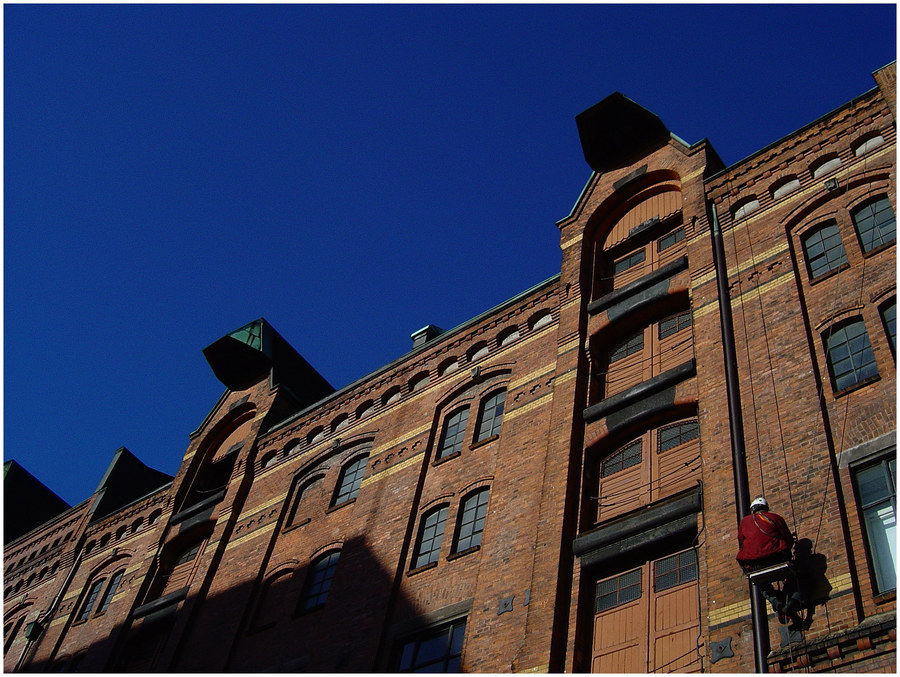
{"type": "Point", "coordinates": [764, 540]}
{"type": "Point", "coordinates": [763, 537]}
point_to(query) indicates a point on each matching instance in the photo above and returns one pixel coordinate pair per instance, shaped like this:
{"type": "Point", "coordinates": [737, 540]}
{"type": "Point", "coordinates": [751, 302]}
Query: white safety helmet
{"type": "Point", "coordinates": [759, 504]}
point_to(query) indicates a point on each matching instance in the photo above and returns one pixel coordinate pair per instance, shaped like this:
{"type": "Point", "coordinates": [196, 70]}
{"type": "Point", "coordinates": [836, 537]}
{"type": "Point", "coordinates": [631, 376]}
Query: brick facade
{"type": "Point", "coordinates": [586, 519]}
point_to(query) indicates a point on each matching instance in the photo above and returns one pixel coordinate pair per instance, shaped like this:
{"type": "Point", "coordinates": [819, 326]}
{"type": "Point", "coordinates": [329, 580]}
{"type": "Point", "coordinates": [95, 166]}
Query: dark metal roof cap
{"type": "Point", "coordinates": [617, 131]}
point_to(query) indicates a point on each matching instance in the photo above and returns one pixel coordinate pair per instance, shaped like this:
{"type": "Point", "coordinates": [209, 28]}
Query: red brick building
{"type": "Point", "coordinates": [554, 485]}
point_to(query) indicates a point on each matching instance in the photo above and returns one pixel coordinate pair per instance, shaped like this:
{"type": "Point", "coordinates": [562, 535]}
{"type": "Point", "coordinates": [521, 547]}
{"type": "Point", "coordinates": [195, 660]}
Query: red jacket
{"type": "Point", "coordinates": [761, 534]}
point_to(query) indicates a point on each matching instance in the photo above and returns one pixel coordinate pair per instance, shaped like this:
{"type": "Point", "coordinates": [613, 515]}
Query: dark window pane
{"type": "Point", "coordinates": [624, 458]}
{"type": "Point", "coordinates": [630, 347]}
{"type": "Point", "coordinates": [491, 416]}
{"type": "Point", "coordinates": [431, 533]}
{"type": "Point", "coordinates": [875, 223]}
{"type": "Point", "coordinates": [674, 324]}
{"type": "Point", "coordinates": [629, 261]}
{"type": "Point", "coordinates": [889, 317]}
{"type": "Point", "coordinates": [110, 591]}
{"type": "Point", "coordinates": [351, 478]}
{"type": "Point", "coordinates": [90, 600]}
{"type": "Point", "coordinates": [677, 434]}
{"type": "Point", "coordinates": [471, 520]}
{"type": "Point", "coordinates": [824, 250]}
{"type": "Point", "coordinates": [850, 355]}
{"type": "Point", "coordinates": [434, 650]}
{"type": "Point", "coordinates": [672, 238]}
{"type": "Point", "coordinates": [318, 581]}
{"type": "Point", "coordinates": [675, 570]}
{"type": "Point", "coordinates": [618, 590]}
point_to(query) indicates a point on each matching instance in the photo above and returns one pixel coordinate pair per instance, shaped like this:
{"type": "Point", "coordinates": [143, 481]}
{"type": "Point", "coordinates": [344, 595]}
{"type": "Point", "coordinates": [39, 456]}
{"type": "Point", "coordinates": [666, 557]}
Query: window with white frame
{"type": "Point", "coordinates": [877, 494]}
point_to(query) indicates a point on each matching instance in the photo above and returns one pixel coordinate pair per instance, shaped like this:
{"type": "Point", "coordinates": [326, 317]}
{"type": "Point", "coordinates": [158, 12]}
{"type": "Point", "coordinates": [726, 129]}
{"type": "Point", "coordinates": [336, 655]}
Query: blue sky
{"type": "Point", "coordinates": [350, 173]}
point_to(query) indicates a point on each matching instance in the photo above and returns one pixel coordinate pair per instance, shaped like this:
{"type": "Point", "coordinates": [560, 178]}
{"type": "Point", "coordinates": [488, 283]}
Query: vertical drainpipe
{"type": "Point", "coordinates": [736, 428]}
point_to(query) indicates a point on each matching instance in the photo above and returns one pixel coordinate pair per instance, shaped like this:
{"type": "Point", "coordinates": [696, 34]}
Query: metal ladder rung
{"type": "Point", "coordinates": [773, 573]}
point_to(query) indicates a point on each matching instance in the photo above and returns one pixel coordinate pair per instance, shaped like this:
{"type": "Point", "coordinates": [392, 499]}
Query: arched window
{"type": "Point", "coordinates": [431, 533]}
{"type": "Point", "coordinates": [154, 517]}
{"type": "Point", "coordinates": [340, 422]}
{"type": "Point", "coordinates": [392, 395]}
{"type": "Point", "coordinates": [418, 382]}
{"type": "Point", "coordinates": [477, 351]}
{"type": "Point", "coordinates": [453, 434]}
{"type": "Point", "coordinates": [110, 591]}
{"type": "Point", "coordinates": [268, 460]}
{"type": "Point", "coordinates": [308, 498]}
{"type": "Point", "coordinates": [89, 600]}
{"type": "Point", "coordinates": [448, 366]}
{"type": "Point", "coordinates": [365, 408]}
{"type": "Point", "coordinates": [315, 435]}
{"type": "Point", "coordinates": [318, 581]}
{"type": "Point", "coordinates": [824, 166]}
{"type": "Point", "coordinates": [507, 336]}
{"type": "Point", "coordinates": [490, 415]}
{"type": "Point", "coordinates": [350, 479]}
{"type": "Point", "coordinates": [850, 357]}
{"type": "Point", "coordinates": [785, 186]}
{"type": "Point", "coordinates": [866, 144]}
{"type": "Point", "coordinates": [470, 523]}
{"type": "Point", "coordinates": [541, 319]}
{"type": "Point", "coordinates": [271, 605]}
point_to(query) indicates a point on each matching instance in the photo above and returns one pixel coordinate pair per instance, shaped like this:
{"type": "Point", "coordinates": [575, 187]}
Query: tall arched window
{"type": "Point", "coordinates": [431, 533]}
{"type": "Point", "coordinates": [349, 481]}
{"type": "Point", "coordinates": [318, 580]}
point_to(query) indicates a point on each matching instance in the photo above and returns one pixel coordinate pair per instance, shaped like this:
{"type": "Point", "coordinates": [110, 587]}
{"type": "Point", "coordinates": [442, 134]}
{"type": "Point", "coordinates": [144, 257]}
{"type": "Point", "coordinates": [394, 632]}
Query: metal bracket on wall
{"type": "Point", "coordinates": [721, 649]}
{"type": "Point", "coordinates": [506, 604]}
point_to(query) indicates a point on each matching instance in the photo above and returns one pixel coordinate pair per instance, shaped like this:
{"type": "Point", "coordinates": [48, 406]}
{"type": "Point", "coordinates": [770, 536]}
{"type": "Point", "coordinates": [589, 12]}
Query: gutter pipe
{"type": "Point", "coordinates": [761, 646]}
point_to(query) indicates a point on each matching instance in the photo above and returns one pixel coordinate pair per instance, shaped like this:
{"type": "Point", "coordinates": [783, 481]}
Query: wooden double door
{"type": "Point", "coordinates": [647, 619]}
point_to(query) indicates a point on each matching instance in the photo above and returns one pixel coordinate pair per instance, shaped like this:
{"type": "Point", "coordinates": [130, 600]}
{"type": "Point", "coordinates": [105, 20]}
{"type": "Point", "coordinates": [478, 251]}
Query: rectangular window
{"type": "Point", "coordinates": [824, 250]}
{"type": "Point", "coordinates": [677, 434]}
{"type": "Point", "coordinates": [672, 238]}
{"type": "Point", "coordinates": [437, 650]}
{"type": "Point", "coordinates": [674, 324]}
{"type": "Point", "coordinates": [319, 580]}
{"type": "Point", "coordinates": [618, 590]}
{"type": "Point", "coordinates": [675, 570]}
{"type": "Point", "coordinates": [629, 261]}
{"type": "Point", "coordinates": [630, 347]}
{"type": "Point", "coordinates": [876, 487]}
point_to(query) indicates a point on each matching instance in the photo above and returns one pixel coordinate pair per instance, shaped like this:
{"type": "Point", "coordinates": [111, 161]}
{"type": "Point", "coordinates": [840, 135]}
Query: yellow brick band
{"type": "Point", "coordinates": [536, 668]}
{"type": "Point", "coordinates": [568, 376]}
{"type": "Point", "coordinates": [751, 295]}
{"type": "Point", "coordinates": [268, 504]}
{"type": "Point", "coordinates": [528, 378]}
{"type": "Point", "coordinates": [741, 267]}
{"type": "Point", "coordinates": [537, 402]}
{"type": "Point", "coordinates": [421, 430]}
{"type": "Point", "coordinates": [390, 471]}
{"type": "Point", "coordinates": [262, 531]}
{"type": "Point", "coordinates": [574, 240]}
{"type": "Point", "coordinates": [730, 612]}
{"type": "Point", "coordinates": [742, 609]}
{"type": "Point", "coordinates": [566, 347]}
